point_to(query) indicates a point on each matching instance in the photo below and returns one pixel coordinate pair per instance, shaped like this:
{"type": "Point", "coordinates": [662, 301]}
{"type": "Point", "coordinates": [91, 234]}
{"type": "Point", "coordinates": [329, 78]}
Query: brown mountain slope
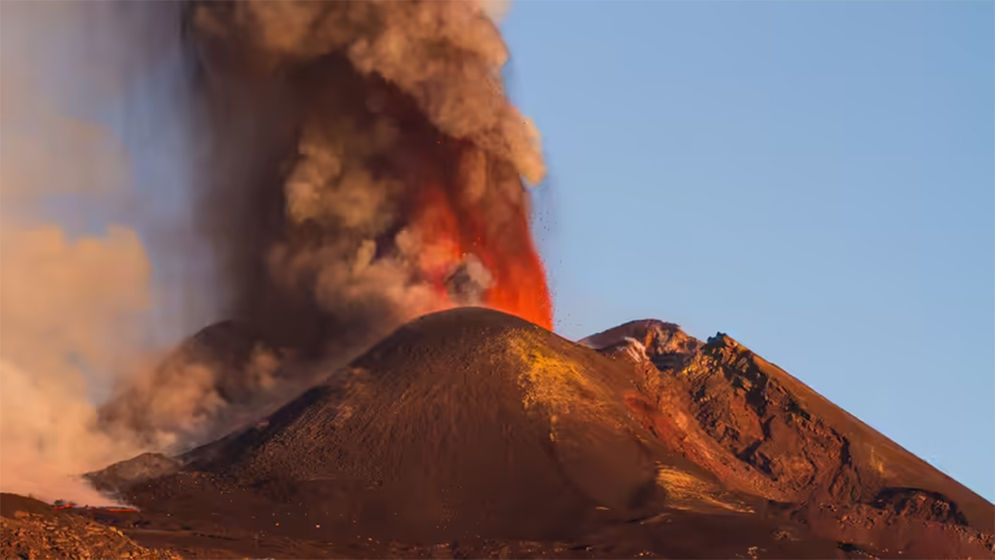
{"type": "Point", "coordinates": [487, 435]}
{"type": "Point", "coordinates": [764, 432]}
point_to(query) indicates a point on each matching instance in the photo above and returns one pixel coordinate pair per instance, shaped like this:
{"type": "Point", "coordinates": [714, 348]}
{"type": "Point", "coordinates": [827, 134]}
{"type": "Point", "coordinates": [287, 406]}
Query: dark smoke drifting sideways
{"type": "Point", "coordinates": [364, 168]}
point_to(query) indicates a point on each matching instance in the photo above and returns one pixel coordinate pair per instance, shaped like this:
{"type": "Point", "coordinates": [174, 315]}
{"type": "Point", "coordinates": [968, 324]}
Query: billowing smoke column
{"type": "Point", "coordinates": [369, 166]}
{"type": "Point", "coordinates": [362, 166]}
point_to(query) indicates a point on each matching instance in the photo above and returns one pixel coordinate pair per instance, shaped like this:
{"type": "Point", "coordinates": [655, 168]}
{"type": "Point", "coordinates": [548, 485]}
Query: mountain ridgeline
{"type": "Point", "coordinates": [474, 433]}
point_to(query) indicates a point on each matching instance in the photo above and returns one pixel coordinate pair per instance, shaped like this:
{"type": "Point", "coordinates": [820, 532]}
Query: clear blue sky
{"type": "Point", "coordinates": [815, 179]}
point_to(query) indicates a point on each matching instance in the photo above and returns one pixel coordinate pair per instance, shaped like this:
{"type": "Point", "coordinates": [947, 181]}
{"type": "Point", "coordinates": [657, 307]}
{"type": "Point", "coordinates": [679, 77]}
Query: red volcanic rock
{"type": "Point", "coordinates": [763, 432]}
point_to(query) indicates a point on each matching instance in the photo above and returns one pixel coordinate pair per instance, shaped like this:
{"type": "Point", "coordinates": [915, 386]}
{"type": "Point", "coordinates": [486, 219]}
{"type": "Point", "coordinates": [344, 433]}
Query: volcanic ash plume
{"type": "Point", "coordinates": [363, 167]}
{"type": "Point", "coordinates": [378, 165]}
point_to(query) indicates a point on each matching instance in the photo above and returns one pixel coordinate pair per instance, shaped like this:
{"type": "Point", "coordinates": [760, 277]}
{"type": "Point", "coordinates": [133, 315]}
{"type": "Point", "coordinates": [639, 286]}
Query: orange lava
{"type": "Point", "coordinates": [497, 232]}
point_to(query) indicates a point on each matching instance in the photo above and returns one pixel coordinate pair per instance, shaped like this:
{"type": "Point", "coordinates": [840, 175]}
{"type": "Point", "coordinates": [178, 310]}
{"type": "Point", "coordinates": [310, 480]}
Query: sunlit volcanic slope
{"type": "Point", "coordinates": [485, 434]}
{"type": "Point", "coordinates": [763, 432]}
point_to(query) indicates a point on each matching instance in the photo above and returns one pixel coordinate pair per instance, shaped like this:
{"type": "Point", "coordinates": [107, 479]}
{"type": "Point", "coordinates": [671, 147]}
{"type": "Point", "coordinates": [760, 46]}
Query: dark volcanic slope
{"type": "Point", "coordinates": [475, 427]}
{"type": "Point", "coordinates": [472, 412]}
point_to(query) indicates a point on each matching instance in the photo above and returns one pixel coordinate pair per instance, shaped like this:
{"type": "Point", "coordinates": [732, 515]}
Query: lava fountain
{"type": "Point", "coordinates": [471, 257]}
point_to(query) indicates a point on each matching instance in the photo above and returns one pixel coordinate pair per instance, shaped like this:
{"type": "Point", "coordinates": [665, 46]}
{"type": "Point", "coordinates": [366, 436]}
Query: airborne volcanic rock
{"type": "Point", "coordinates": [487, 435]}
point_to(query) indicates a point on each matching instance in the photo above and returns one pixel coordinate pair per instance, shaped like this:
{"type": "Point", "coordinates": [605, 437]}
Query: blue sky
{"type": "Point", "coordinates": [814, 178]}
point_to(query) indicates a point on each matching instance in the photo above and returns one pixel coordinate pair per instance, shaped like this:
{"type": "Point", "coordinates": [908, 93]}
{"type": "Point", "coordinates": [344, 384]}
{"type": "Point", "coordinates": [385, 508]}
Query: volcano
{"type": "Point", "coordinates": [470, 432]}
{"type": "Point", "coordinates": [346, 167]}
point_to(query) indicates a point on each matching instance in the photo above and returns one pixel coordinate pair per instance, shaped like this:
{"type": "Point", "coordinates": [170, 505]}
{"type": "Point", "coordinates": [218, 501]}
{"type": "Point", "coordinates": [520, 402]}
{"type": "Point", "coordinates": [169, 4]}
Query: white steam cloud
{"type": "Point", "coordinates": [77, 297]}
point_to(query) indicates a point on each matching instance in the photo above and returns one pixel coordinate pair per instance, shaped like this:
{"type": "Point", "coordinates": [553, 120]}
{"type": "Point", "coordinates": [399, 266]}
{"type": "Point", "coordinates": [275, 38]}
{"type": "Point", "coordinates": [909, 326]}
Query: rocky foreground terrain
{"type": "Point", "coordinates": [33, 529]}
{"type": "Point", "coordinates": [471, 433]}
